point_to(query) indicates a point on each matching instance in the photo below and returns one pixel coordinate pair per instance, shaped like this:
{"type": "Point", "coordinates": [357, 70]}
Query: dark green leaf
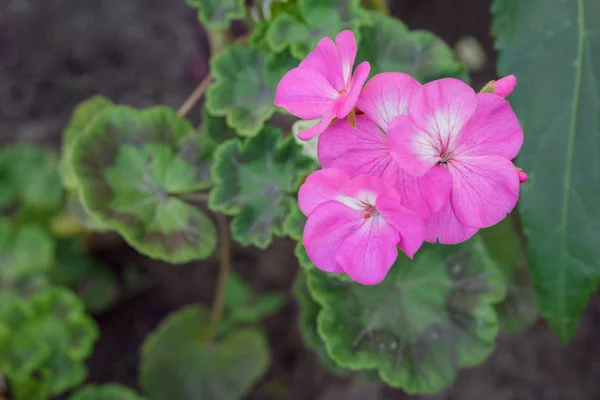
{"type": "Point", "coordinates": [217, 14]}
{"type": "Point", "coordinates": [106, 392]}
{"type": "Point", "coordinates": [256, 182]}
{"type": "Point", "coordinates": [551, 48]}
{"type": "Point", "coordinates": [428, 318]}
{"type": "Point", "coordinates": [140, 172]}
{"type": "Point", "coordinates": [244, 87]}
{"type": "Point", "coordinates": [180, 362]}
{"type": "Point", "coordinates": [313, 20]}
{"type": "Point", "coordinates": [390, 47]}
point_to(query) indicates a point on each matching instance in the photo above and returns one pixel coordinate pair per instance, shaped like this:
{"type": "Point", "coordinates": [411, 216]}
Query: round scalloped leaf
{"type": "Point", "coordinates": [180, 362]}
{"type": "Point", "coordinates": [29, 178]}
{"type": "Point", "coordinates": [83, 114]}
{"type": "Point", "coordinates": [293, 226]}
{"type": "Point", "coordinates": [314, 20]}
{"type": "Point", "coordinates": [139, 171]}
{"type": "Point", "coordinates": [244, 86]}
{"type": "Point", "coordinates": [218, 14]}
{"type": "Point", "coordinates": [106, 392]}
{"type": "Point", "coordinates": [307, 324]}
{"type": "Point", "coordinates": [390, 47]}
{"type": "Point", "coordinates": [519, 309]}
{"type": "Point", "coordinates": [428, 317]}
{"type": "Point", "coordinates": [255, 182]}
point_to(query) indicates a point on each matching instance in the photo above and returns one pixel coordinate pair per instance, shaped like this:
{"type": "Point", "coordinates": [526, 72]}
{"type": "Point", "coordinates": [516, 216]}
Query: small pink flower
{"type": "Point", "coordinates": [323, 85]}
{"type": "Point", "coordinates": [522, 176]}
{"type": "Point", "coordinates": [364, 150]}
{"type": "Point", "coordinates": [504, 86]}
{"type": "Point", "coordinates": [471, 138]}
{"type": "Point", "coordinates": [355, 225]}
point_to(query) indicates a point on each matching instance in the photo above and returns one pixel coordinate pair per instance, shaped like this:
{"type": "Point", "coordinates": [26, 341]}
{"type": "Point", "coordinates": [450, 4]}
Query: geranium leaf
{"type": "Point", "coordinates": [180, 362]}
{"type": "Point", "coordinates": [557, 102]}
{"type": "Point", "coordinates": [313, 20]}
{"type": "Point", "coordinates": [428, 318]}
{"type": "Point", "coordinates": [520, 307]}
{"type": "Point", "coordinates": [256, 181]}
{"type": "Point", "coordinates": [29, 178]}
{"type": "Point", "coordinates": [106, 392]}
{"type": "Point", "coordinates": [140, 172]}
{"type": "Point", "coordinates": [218, 14]}
{"type": "Point", "coordinates": [244, 87]}
{"type": "Point", "coordinates": [417, 53]}
{"type": "Point", "coordinates": [83, 114]}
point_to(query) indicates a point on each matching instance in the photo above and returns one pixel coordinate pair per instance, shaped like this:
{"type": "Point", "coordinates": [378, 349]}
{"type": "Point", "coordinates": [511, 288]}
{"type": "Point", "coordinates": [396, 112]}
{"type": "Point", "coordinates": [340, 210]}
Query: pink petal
{"type": "Point", "coordinates": [367, 254]}
{"type": "Point", "coordinates": [492, 130]}
{"type": "Point", "coordinates": [319, 187]}
{"type": "Point", "coordinates": [442, 108]}
{"type": "Point", "coordinates": [325, 58]}
{"type": "Point", "coordinates": [409, 225]}
{"type": "Point", "coordinates": [360, 150]}
{"type": "Point", "coordinates": [326, 229]}
{"type": "Point", "coordinates": [319, 128]}
{"type": "Point", "coordinates": [367, 188]}
{"type": "Point", "coordinates": [504, 86]}
{"type": "Point", "coordinates": [305, 92]}
{"type": "Point", "coordinates": [428, 194]}
{"type": "Point", "coordinates": [484, 189]}
{"type": "Point", "coordinates": [358, 80]}
{"type": "Point", "coordinates": [413, 148]}
{"type": "Point", "coordinates": [522, 176]}
{"type": "Point", "coordinates": [346, 44]}
{"type": "Point", "coordinates": [447, 229]}
{"type": "Point", "coordinates": [386, 96]}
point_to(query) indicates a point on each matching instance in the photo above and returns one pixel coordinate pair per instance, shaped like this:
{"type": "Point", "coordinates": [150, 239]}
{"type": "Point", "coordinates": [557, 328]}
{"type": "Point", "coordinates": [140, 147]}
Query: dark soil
{"type": "Point", "coordinates": [56, 53]}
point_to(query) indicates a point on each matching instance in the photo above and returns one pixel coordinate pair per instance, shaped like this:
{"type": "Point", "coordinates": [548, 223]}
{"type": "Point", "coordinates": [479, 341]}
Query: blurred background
{"type": "Point", "coordinates": [56, 53]}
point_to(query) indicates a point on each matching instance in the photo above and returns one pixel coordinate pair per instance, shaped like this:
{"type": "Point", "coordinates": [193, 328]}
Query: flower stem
{"type": "Point", "coordinates": [224, 270]}
{"type": "Point", "coordinates": [378, 5]}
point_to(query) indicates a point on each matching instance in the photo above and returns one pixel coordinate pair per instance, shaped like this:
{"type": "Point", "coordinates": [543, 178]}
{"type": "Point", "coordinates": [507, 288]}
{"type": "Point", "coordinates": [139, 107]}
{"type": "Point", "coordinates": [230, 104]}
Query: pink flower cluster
{"type": "Point", "coordinates": [402, 162]}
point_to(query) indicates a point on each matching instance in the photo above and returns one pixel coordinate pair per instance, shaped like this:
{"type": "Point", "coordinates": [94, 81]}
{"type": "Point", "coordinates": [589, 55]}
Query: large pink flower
{"type": "Point", "coordinates": [364, 150]}
{"type": "Point", "coordinates": [472, 139]}
{"type": "Point", "coordinates": [323, 85]}
{"type": "Point", "coordinates": [355, 225]}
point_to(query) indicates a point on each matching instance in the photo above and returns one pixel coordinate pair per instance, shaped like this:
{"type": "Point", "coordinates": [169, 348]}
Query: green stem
{"type": "Point", "coordinates": [377, 5]}
{"type": "Point", "coordinates": [218, 40]}
{"type": "Point", "coordinates": [224, 270]}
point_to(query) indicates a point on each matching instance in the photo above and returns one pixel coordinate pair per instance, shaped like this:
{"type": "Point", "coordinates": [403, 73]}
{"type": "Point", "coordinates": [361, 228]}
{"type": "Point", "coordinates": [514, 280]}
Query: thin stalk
{"type": "Point", "coordinates": [378, 5]}
{"type": "Point", "coordinates": [224, 270]}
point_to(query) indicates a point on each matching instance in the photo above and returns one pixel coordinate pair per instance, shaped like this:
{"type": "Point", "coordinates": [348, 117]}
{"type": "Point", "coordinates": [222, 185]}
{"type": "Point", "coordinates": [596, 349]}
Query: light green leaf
{"type": "Point", "coordinates": [551, 47]}
{"type": "Point", "coordinates": [312, 21]}
{"type": "Point", "coordinates": [179, 361]}
{"type": "Point", "coordinates": [256, 182]}
{"type": "Point", "coordinates": [390, 47]}
{"type": "Point", "coordinates": [428, 318]}
{"type": "Point", "coordinates": [218, 14]}
{"type": "Point", "coordinates": [244, 87]}
{"type": "Point", "coordinates": [140, 172]}
{"type": "Point", "coordinates": [520, 307]}
{"type": "Point", "coordinates": [83, 114]}
{"type": "Point", "coordinates": [106, 392]}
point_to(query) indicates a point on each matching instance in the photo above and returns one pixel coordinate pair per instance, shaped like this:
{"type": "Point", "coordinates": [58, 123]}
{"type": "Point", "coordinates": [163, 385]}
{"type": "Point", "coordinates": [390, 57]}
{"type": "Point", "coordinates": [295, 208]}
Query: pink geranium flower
{"type": "Point", "coordinates": [472, 139]}
{"type": "Point", "coordinates": [365, 150]}
{"type": "Point", "coordinates": [355, 225]}
{"type": "Point", "coordinates": [323, 85]}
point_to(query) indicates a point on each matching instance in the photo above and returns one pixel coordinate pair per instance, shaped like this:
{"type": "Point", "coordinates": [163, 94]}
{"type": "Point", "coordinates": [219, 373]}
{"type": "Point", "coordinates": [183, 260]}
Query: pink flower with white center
{"type": "Point", "coordinates": [323, 85]}
{"type": "Point", "coordinates": [364, 150]}
{"type": "Point", "coordinates": [471, 138]}
{"type": "Point", "coordinates": [355, 225]}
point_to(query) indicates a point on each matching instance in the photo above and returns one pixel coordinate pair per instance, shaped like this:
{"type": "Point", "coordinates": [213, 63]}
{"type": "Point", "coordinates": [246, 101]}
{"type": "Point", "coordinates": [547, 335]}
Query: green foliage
{"type": "Point", "coordinates": [45, 342]}
{"type": "Point", "coordinates": [29, 179]}
{"type": "Point", "coordinates": [428, 318]}
{"type": "Point", "coordinates": [140, 172]}
{"type": "Point", "coordinates": [390, 47]}
{"type": "Point", "coordinates": [218, 14]}
{"type": "Point", "coordinates": [558, 110]}
{"type": "Point", "coordinates": [256, 181]}
{"type": "Point", "coordinates": [301, 28]}
{"type": "Point", "coordinates": [105, 392]}
{"type": "Point", "coordinates": [180, 360]}
{"type": "Point", "coordinates": [244, 307]}
{"type": "Point", "coordinates": [244, 87]}
{"type": "Point", "coordinates": [520, 308]}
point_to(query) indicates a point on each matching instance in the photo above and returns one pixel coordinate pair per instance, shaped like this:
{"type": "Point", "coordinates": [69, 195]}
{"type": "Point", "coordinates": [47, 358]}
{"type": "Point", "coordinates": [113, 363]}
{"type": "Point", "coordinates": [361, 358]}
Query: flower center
{"type": "Point", "coordinates": [370, 211]}
{"type": "Point", "coordinates": [342, 91]}
{"type": "Point", "coordinates": [444, 157]}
